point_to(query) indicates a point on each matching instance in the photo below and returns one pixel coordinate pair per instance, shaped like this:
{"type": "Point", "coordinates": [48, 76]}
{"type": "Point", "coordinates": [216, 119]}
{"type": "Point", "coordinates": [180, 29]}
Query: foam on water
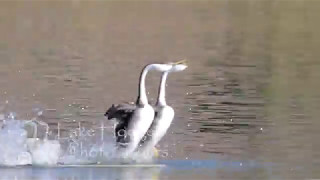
{"type": "Point", "coordinates": [83, 148]}
{"type": "Point", "coordinates": [13, 149]}
{"type": "Point", "coordinates": [45, 152]}
{"type": "Point", "coordinates": [84, 151]}
{"type": "Point", "coordinates": [18, 147]}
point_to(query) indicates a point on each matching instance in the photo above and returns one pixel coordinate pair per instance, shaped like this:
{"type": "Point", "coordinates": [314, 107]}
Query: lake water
{"type": "Point", "coordinates": [247, 106]}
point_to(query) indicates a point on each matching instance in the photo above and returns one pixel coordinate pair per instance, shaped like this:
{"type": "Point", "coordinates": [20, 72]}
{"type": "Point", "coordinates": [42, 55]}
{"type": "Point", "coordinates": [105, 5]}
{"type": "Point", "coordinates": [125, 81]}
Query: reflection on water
{"type": "Point", "coordinates": [175, 169]}
{"type": "Point", "coordinates": [79, 173]}
{"type": "Point", "coordinates": [251, 92]}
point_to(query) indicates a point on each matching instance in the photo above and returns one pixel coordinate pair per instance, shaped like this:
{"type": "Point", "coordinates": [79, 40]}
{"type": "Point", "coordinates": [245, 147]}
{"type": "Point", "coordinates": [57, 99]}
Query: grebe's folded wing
{"type": "Point", "coordinates": [121, 112]}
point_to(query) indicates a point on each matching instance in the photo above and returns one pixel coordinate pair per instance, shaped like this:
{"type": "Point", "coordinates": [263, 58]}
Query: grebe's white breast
{"type": "Point", "coordinates": [161, 123]}
{"type": "Point", "coordinates": [139, 125]}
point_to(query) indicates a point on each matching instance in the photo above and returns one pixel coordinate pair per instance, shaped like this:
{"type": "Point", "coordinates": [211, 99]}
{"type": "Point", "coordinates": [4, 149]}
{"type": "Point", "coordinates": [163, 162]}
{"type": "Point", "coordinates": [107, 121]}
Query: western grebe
{"type": "Point", "coordinates": [133, 121]}
{"type": "Point", "coordinates": [164, 114]}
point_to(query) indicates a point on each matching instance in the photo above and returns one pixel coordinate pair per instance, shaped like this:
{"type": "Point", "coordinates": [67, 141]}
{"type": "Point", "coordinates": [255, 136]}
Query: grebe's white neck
{"type": "Point", "coordinates": [162, 90]}
{"type": "Point", "coordinates": [142, 97]}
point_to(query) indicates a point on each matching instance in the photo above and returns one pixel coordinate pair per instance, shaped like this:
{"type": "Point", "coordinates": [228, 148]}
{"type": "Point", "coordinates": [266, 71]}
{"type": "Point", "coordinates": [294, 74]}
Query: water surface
{"type": "Point", "coordinates": [249, 101]}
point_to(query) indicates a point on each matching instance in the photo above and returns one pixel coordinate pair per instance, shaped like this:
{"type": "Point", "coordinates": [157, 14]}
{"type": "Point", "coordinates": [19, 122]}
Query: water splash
{"type": "Point", "coordinates": [21, 145]}
{"type": "Point", "coordinates": [13, 149]}
{"type": "Point", "coordinates": [83, 148]}
{"type": "Point", "coordinates": [17, 149]}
